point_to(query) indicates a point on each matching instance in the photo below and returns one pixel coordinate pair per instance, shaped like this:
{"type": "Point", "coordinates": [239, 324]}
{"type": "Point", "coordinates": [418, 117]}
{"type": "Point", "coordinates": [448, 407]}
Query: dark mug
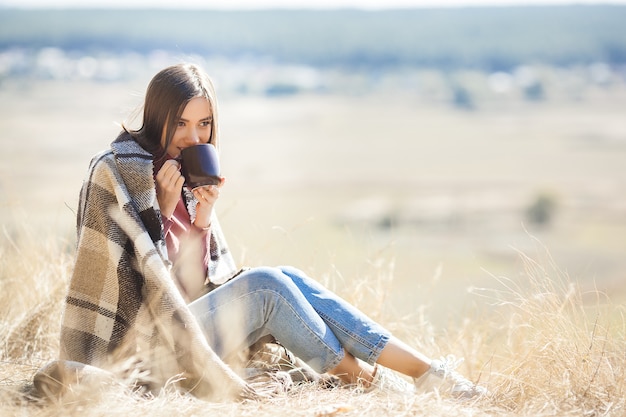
{"type": "Point", "coordinates": [200, 165]}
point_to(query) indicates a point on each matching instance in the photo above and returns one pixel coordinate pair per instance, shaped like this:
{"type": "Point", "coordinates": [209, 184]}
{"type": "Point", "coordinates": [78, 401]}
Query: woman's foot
{"type": "Point", "coordinates": [443, 371]}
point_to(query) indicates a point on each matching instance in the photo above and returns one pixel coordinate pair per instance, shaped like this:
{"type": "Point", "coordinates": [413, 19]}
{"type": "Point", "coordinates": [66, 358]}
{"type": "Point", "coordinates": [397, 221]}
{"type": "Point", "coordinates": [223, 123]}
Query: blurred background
{"type": "Point", "coordinates": [414, 149]}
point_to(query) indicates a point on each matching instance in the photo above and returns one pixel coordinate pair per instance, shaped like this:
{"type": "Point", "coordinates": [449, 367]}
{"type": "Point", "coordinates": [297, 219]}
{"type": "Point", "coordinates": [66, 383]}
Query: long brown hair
{"type": "Point", "coordinates": [167, 95]}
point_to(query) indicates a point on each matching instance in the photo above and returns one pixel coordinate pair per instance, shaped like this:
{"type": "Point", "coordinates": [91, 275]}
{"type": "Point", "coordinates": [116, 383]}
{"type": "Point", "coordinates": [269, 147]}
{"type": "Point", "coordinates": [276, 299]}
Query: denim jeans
{"type": "Point", "coordinates": [304, 316]}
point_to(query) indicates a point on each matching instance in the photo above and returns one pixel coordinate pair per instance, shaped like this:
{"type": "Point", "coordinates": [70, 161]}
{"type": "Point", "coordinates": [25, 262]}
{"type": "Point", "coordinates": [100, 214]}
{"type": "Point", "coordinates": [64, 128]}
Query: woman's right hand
{"type": "Point", "coordinates": [169, 184]}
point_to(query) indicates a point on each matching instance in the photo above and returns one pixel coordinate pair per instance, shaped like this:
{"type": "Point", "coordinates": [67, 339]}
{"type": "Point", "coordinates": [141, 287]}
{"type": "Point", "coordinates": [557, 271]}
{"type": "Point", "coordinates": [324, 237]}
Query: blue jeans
{"type": "Point", "coordinates": [304, 316]}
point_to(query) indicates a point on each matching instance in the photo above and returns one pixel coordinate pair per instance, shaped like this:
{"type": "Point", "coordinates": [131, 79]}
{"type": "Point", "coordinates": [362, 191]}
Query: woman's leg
{"type": "Point", "coordinates": [263, 301]}
{"type": "Point", "coordinates": [231, 319]}
{"type": "Point", "coordinates": [351, 370]}
{"type": "Point", "coordinates": [359, 334]}
{"type": "Point", "coordinates": [362, 337]}
{"type": "Point", "coordinates": [400, 357]}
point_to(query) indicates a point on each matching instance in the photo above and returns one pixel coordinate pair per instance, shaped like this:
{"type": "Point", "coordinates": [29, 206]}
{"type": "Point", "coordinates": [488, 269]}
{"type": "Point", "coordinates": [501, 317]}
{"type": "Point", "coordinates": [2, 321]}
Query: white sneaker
{"type": "Point", "coordinates": [443, 370]}
{"type": "Point", "coordinates": [387, 380]}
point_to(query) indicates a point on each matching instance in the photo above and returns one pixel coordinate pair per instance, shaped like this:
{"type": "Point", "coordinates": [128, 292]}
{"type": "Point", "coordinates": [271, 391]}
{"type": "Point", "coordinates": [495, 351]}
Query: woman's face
{"type": "Point", "coordinates": [194, 127]}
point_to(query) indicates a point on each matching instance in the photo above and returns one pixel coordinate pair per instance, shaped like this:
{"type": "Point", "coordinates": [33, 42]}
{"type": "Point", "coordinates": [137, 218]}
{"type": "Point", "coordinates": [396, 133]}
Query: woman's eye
{"type": "Point", "coordinates": [205, 123]}
{"type": "Point", "coordinates": [181, 124]}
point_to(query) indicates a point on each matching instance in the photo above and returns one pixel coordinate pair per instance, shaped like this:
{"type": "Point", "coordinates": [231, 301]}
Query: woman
{"type": "Point", "coordinates": [148, 247]}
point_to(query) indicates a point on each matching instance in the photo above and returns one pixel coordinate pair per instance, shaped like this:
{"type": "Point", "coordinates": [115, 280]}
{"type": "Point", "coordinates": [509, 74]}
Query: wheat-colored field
{"type": "Point", "coordinates": [411, 210]}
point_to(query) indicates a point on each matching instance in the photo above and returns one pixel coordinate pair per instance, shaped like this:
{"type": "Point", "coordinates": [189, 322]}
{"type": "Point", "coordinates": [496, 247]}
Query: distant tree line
{"type": "Point", "coordinates": [490, 38]}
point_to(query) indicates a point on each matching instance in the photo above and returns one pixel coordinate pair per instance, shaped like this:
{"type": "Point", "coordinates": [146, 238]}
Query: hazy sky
{"type": "Point", "coordinates": [257, 4]}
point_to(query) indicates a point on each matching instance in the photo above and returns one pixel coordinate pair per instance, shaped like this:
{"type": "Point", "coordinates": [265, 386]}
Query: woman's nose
{"type": "Point", "coordinates": [193, 137]}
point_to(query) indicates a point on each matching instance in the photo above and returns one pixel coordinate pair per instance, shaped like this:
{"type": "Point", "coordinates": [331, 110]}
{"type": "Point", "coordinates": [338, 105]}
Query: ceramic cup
{"type": "Point", "coordinates": [200, 165]}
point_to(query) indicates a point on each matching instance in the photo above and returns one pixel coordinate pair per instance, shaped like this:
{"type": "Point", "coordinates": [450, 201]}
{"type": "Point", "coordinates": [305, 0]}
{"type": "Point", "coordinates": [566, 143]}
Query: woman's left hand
{"type": "Point", "coordinates": [206, 196]}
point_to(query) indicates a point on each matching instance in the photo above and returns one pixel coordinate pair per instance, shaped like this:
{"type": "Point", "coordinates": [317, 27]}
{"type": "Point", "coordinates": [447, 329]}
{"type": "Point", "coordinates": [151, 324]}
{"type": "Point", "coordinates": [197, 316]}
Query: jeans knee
{"type": "Point", "coordinates": [292, 271]}
{"type": "Point", "coordinates": [298, 277]}
{"type": "Point", "coordinates": [268, 278]}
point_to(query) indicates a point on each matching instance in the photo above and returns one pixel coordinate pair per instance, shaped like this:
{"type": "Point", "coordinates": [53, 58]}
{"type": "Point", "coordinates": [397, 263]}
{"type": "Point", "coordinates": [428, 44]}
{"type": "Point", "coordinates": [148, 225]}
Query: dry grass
{"type": "Point", "coordinates": [557, 355]}
{"type": "Point", "coordinates": [537, 343]}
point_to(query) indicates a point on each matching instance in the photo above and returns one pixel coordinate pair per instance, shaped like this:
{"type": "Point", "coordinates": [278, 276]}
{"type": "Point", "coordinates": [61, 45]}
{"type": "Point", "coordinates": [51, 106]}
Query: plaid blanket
{"type": "Point", "coordinates": [122, 302]}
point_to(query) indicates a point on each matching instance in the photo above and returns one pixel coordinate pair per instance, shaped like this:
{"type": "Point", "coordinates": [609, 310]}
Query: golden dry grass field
{"type": "Point", "coordinates": [414, 211]}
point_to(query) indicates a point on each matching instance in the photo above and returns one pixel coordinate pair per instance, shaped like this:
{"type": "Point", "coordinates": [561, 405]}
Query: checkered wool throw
{"type": "Point", "coordinates": [122, 302]}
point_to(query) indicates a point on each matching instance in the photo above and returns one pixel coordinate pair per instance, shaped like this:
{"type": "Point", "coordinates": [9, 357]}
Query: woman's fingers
{"type": "Point", "coordinates": [170, 174]}
{"type": "Point", "coordinates": [208, 194]}
{"type": "Point", "coordinates": [169, 182]}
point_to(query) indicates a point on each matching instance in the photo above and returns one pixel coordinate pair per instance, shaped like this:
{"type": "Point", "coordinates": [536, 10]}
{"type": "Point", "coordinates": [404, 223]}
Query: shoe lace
{"type": "Point", "coordinates": [446, 370]}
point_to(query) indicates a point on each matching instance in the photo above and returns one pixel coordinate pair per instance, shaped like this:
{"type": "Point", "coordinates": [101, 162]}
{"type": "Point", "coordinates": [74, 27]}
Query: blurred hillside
{"type": "Point", "coordinates": [492, 39]}
{"type": "Point", "coordinates": [463, 56]}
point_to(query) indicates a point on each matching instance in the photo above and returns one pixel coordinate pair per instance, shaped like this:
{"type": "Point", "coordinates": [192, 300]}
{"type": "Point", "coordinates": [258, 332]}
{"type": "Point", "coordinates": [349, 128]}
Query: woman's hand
{"type": "Point", "coordinates": [169, 184]}
{"type": "Point", "coordinates": [206, 196]}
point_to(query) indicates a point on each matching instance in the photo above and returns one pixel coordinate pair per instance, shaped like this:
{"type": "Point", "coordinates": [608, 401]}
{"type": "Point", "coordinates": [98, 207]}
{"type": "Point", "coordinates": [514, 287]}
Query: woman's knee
{"type": "Point", "coordinates": [266, 278]}
{"type": "Point", "coordinates": [292, 271]}
{"type": "Point", "coordinates": [300, 279]}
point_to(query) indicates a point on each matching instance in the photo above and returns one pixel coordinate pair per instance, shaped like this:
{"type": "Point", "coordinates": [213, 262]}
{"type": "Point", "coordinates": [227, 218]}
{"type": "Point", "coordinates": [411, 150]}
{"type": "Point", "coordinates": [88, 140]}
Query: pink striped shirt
{"type": "Point", "coordinates": [187, 249]}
